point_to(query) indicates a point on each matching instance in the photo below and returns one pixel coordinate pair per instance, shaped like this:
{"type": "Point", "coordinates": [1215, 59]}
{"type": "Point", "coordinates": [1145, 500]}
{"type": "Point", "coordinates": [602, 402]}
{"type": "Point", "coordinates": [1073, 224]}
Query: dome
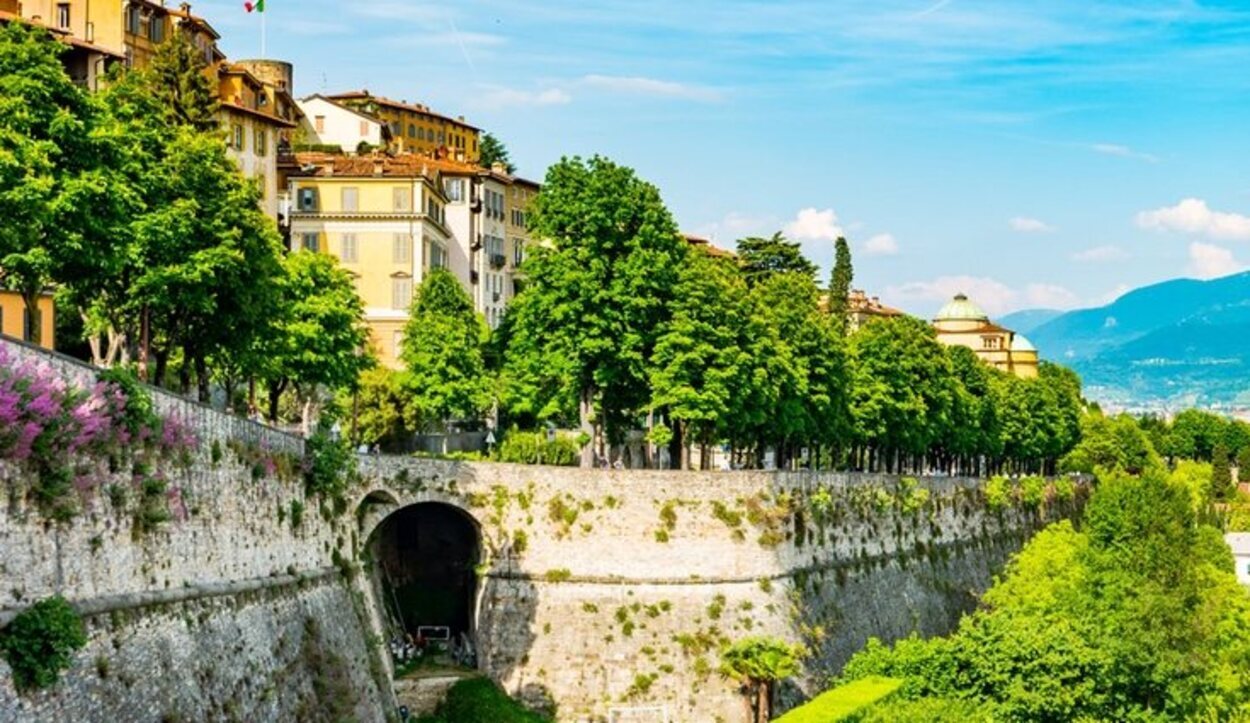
{"type": "Point", "coordinates": [960, 309]}
{"type": "Point", "coordinates": [1020, 343]}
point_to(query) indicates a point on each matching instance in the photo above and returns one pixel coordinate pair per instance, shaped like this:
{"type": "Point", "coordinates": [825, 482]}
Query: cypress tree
{"type": "Point", "coordinates": [840, 284]}
{"type": "Point", "coordinates": [1221, 472]}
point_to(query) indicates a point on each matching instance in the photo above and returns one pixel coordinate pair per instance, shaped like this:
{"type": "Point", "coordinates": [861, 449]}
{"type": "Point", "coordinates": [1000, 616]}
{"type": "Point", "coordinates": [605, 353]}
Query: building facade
{"type": "Point", "coordinates": [962, 323]}
{"type": "Point", "coordinates": [327, 123]}
{"type": "Point", "coordinates": [384, 218]}
{"type": "Point", "coordinates": [15, 323]}
{"type": "Point", "coordinates": [258, 116]}
{"type": "Point", "coordinates": [414, 128]}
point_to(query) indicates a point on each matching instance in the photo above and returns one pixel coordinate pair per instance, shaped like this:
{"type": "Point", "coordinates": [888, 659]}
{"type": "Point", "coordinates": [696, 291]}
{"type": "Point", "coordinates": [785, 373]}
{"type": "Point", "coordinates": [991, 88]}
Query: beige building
{"type": "Point", "coordinates": [415, 128]}
{"type": "Point", "coordinates": [384, 218]}
{"type": "Point", "coordinates": [963, 323]}
{"type": "Point", "coordinates": [862, 308]}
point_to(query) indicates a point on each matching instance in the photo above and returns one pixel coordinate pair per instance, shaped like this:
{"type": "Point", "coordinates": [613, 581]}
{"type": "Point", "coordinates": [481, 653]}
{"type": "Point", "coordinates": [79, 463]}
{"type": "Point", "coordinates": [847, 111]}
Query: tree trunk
{"type": "Point", "coordinates": [679, 430]}
{"type": "Point", "coordinates": [33, 323]}
{"type": "Point", "coordinates": [201, 379]}
{"type": "Point", "coordinates": [275, 396]}
{"type": "Point", "coordinates": [762, 703]}
{"type": "Point", "coordinates": [585, 410]}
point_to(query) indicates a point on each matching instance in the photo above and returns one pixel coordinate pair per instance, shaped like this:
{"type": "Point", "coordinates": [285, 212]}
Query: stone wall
{"type": "Point", "coordinates": [610, 590]}
{"type": "Point", "coordinates": [601, 590]}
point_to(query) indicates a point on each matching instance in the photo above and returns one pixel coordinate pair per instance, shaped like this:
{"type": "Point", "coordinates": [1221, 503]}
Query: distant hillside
{"type": "Point", "coordinates": [1183, 341]}
{"type": "Point", "coordinates": [1026, 320]}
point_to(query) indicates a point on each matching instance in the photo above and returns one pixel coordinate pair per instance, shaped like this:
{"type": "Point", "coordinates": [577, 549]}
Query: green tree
{"type": "Point", "coordinates": [840, 284]}
{"type": "Point", "coordinates": [596, 296]}
{"type": "Point", "coordinates": [378, 407]}
{"type": "Point", "coordinates": [443, 352]}
{"type": "Point", "coordinates": [1136, 615]}
{"type": "Point", "coordinates": [319, 337]}
{"type": "Point", "coordinates": [760, 257]}
{"type": "Point", "coordinates": [701, 366]}
{"type": "Point", "coordinates": [179, 79]}
{"type": "Point", "coordinates": [903, 393]}
{"type": "Point", "coordinates": [492, 151]}
{"type": "Point", "coordinates": [54, 191]}
{"type": "Point", "coordinates": [1116, 443]}
{"type": "Point", "coordinates": [760, 663]}
{"type": "Point", "coordinates": [1243, 464]}
{"type": "Point", "coordinates": [1221, 472]}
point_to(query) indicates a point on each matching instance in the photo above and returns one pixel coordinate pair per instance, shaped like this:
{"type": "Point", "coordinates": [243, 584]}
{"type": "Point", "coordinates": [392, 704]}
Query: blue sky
{"type": "Point", "coordinates": [1047, 153]}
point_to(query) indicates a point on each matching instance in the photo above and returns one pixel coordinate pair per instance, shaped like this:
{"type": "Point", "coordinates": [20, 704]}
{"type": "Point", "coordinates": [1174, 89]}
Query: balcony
{"type": "Point", "coordinates": [498, 261]}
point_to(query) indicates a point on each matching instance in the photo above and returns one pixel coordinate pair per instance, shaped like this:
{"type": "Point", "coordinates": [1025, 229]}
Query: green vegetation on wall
{"type": "Point", "coordinates": [39, 643]}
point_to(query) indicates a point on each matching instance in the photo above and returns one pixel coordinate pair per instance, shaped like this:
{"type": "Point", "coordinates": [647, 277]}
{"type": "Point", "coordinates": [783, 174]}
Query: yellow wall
{"type": "Point", "coordinates": [426, 128]}
{"type": "Point", "coordinates": [1020, 363]}
{"type": "Point", "coordinates": [13, 310]}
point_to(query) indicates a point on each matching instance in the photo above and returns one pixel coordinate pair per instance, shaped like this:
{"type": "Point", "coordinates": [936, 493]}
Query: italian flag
{"type": "Point", "coordinates": [258, 6]}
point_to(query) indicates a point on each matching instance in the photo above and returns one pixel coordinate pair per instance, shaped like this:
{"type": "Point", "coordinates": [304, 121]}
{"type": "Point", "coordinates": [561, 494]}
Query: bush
{"type": "Point", "coordinates": [477, 700]}
{"type": "Point", "coordinates": [999, 493]}
{"type": "Point", "coordinates": [534, 448]}
{"type": "Point", "coordinates": [40, 641]}
{"type": "Point", "coordinates": [328, 461]}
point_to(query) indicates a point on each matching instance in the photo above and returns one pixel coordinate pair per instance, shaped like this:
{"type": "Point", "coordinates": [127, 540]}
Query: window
{"type": "Point", "coordinates": [402, 199]}
{"type": "Point", "coordinates": [319, 123]}
{"type": "Point", "coordinates": [364, 128]}
{"type": "Point", "coordinates": [311, 241]}
{"type": "Point", "coordinates": [261, 141]}
{"type": "Point", "coordinates": [156, 29]}
{"type": "Point", "coordinates": [438, 256]}
{"type": "Point", "coordinates": [412, 130]}
{"type": "Point", "coordinates": [263, 184]}
{"type": "Point", "coordinates": [396, 128]}
{"type": "Point", "coordinates": [306, 199]}
{"type": "Point", "coordinates": [132, 19]}
{"type": "Point", "coordinates": [350, 198]}
{"type": "Point", "coordinates": [401, 248]}
{"type": "Point", "coordinates": [440, 136]}
{"type": "Point", "coordinates": [347, 248]}
{"type": "Point", "coordinates": [421, 134]}
{"type": "Point", "coordinates": [237, 136]}
{"type": "Point", "coordinates": [453, 188]}
{"type": "Point", "coordinates": [401, 292]}
{"type": "Point", "coordinates": [62, 15]}
{"type": "Point", "coordinates": [518, 251]}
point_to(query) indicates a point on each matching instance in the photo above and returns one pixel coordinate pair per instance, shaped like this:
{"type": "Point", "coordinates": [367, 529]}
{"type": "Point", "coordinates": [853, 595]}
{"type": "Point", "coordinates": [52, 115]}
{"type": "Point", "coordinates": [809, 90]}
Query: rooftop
{"type": "Point", "coordinates": [961, 309]}
{"type": "Point", "coordinates": [398, 105]}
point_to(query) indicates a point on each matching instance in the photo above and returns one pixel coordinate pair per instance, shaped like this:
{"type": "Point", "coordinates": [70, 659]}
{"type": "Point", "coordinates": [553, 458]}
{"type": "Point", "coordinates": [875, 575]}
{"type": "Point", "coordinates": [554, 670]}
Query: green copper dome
{"type": "Point", "coordinates": [960, 309]}
{"type": "Point", "coordinates": [1020, 343]}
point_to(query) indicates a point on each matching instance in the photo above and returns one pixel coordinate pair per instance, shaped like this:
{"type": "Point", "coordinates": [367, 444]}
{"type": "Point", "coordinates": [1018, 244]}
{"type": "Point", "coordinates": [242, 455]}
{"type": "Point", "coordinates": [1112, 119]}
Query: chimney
{"type": "Point", "coordinates": [379, 165]}
{"type": "Point", "coordinates": [186, 8]}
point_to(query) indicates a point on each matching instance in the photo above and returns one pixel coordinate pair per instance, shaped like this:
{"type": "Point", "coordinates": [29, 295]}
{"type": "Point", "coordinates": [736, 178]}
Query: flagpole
{"type": "Point", "coordinates": [262, 35]}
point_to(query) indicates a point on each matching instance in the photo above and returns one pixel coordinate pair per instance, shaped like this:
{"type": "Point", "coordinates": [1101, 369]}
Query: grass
{"type": "Point", "coordinates": [478, 700]}
{"type": "Point", "coordinates": [844, 701]}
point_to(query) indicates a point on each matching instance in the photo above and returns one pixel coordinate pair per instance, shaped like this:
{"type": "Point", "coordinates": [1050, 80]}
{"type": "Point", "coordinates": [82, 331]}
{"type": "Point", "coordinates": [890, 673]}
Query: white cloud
{"type": "Point", "coordinates": [1207, 261]}
{"type": "Point", "coordinates": [639, 85]}
{"type": "Point", "coordinates": [496, 98]}
{"type": "Point", "coordinates": [991, 295]}
{"type": "Point", "coordinates": [883, 244]}
{"type": "Point", "coordinates": [1100, 254]}
{"type": "Point", "coordinates": [1050, 296]}
{"type": "Point", "coordinates": [1115, 149]}
{"type": "Point", "coordinates": [814, 225]}
{"type": "Point", "coordinates": [1024, 224]}
{"type": "Point", "coordinates": [1192, 215]}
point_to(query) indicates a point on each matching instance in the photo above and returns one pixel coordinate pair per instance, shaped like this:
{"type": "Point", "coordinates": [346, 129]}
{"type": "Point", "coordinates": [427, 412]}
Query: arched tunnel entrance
{"type": "Point", "coordinates": [424, 560]}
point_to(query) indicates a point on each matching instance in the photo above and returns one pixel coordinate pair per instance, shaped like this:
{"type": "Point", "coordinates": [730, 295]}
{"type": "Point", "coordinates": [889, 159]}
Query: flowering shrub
{"type": "Point", "coordinates": [67, 437]}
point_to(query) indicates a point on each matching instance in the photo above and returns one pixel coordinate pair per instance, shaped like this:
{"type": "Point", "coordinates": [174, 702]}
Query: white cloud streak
{"type": "Point", "coordinates": [639, 85]}
{"type": "Point", "coordinates": [1024, 224]}
{"type": "Point", "coordinates": [1115, 149]}
{"type": "Point", "coordinates": [1100, 254]}
{"type": "Point", "coordinates": [883, 244]}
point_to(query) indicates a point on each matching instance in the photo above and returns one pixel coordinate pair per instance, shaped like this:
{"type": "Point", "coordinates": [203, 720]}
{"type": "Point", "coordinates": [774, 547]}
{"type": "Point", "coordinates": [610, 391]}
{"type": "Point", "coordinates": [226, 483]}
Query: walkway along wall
{"type": "Point", "coordinates": [598, 590]}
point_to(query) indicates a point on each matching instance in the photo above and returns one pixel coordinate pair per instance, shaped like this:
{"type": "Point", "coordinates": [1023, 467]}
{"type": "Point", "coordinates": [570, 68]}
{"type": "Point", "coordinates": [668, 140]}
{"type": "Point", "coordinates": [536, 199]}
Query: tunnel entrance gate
{"type": "Point", "coordinates": [425, 557]}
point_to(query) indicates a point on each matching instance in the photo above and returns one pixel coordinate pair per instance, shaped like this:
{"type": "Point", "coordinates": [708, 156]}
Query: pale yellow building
{"type": "Point", "coordinates": [384, 218]}
{"type": "Point", "coordinates": [414, 128]}
{"type": "Point", "coordinates": [963, 323]}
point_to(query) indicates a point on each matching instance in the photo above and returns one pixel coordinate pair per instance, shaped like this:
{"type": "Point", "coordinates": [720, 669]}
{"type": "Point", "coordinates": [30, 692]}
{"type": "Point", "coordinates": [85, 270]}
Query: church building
{"type": "Point", "coordinates": [963, 323]}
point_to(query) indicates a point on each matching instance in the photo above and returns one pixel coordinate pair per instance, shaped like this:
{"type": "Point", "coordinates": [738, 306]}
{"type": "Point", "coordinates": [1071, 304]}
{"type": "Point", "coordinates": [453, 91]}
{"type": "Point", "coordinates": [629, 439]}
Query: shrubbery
{"type": "Point", "coordinates": [40, 641]}
{"type": "Point", "coordinates": [535, 448]}
{"type": "Point", "coordinates": [477, 700]}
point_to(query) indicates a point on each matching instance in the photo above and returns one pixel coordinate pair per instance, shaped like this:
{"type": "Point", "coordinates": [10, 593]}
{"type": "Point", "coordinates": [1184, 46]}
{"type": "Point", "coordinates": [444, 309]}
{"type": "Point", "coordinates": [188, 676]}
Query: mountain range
{"type": "Point", "coordinates": [1173, 344]}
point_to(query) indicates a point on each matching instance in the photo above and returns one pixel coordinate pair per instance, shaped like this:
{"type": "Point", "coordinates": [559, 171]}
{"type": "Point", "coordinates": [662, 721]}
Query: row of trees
{"type": "Point", "coordinates": [127, 202]}
{"type": "Point", "coordinates": [622, 325]}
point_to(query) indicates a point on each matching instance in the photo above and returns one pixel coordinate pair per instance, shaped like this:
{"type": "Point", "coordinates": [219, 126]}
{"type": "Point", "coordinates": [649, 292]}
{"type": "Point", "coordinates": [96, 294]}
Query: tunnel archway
{"type": "Point", "coordinates": [424, 573]}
